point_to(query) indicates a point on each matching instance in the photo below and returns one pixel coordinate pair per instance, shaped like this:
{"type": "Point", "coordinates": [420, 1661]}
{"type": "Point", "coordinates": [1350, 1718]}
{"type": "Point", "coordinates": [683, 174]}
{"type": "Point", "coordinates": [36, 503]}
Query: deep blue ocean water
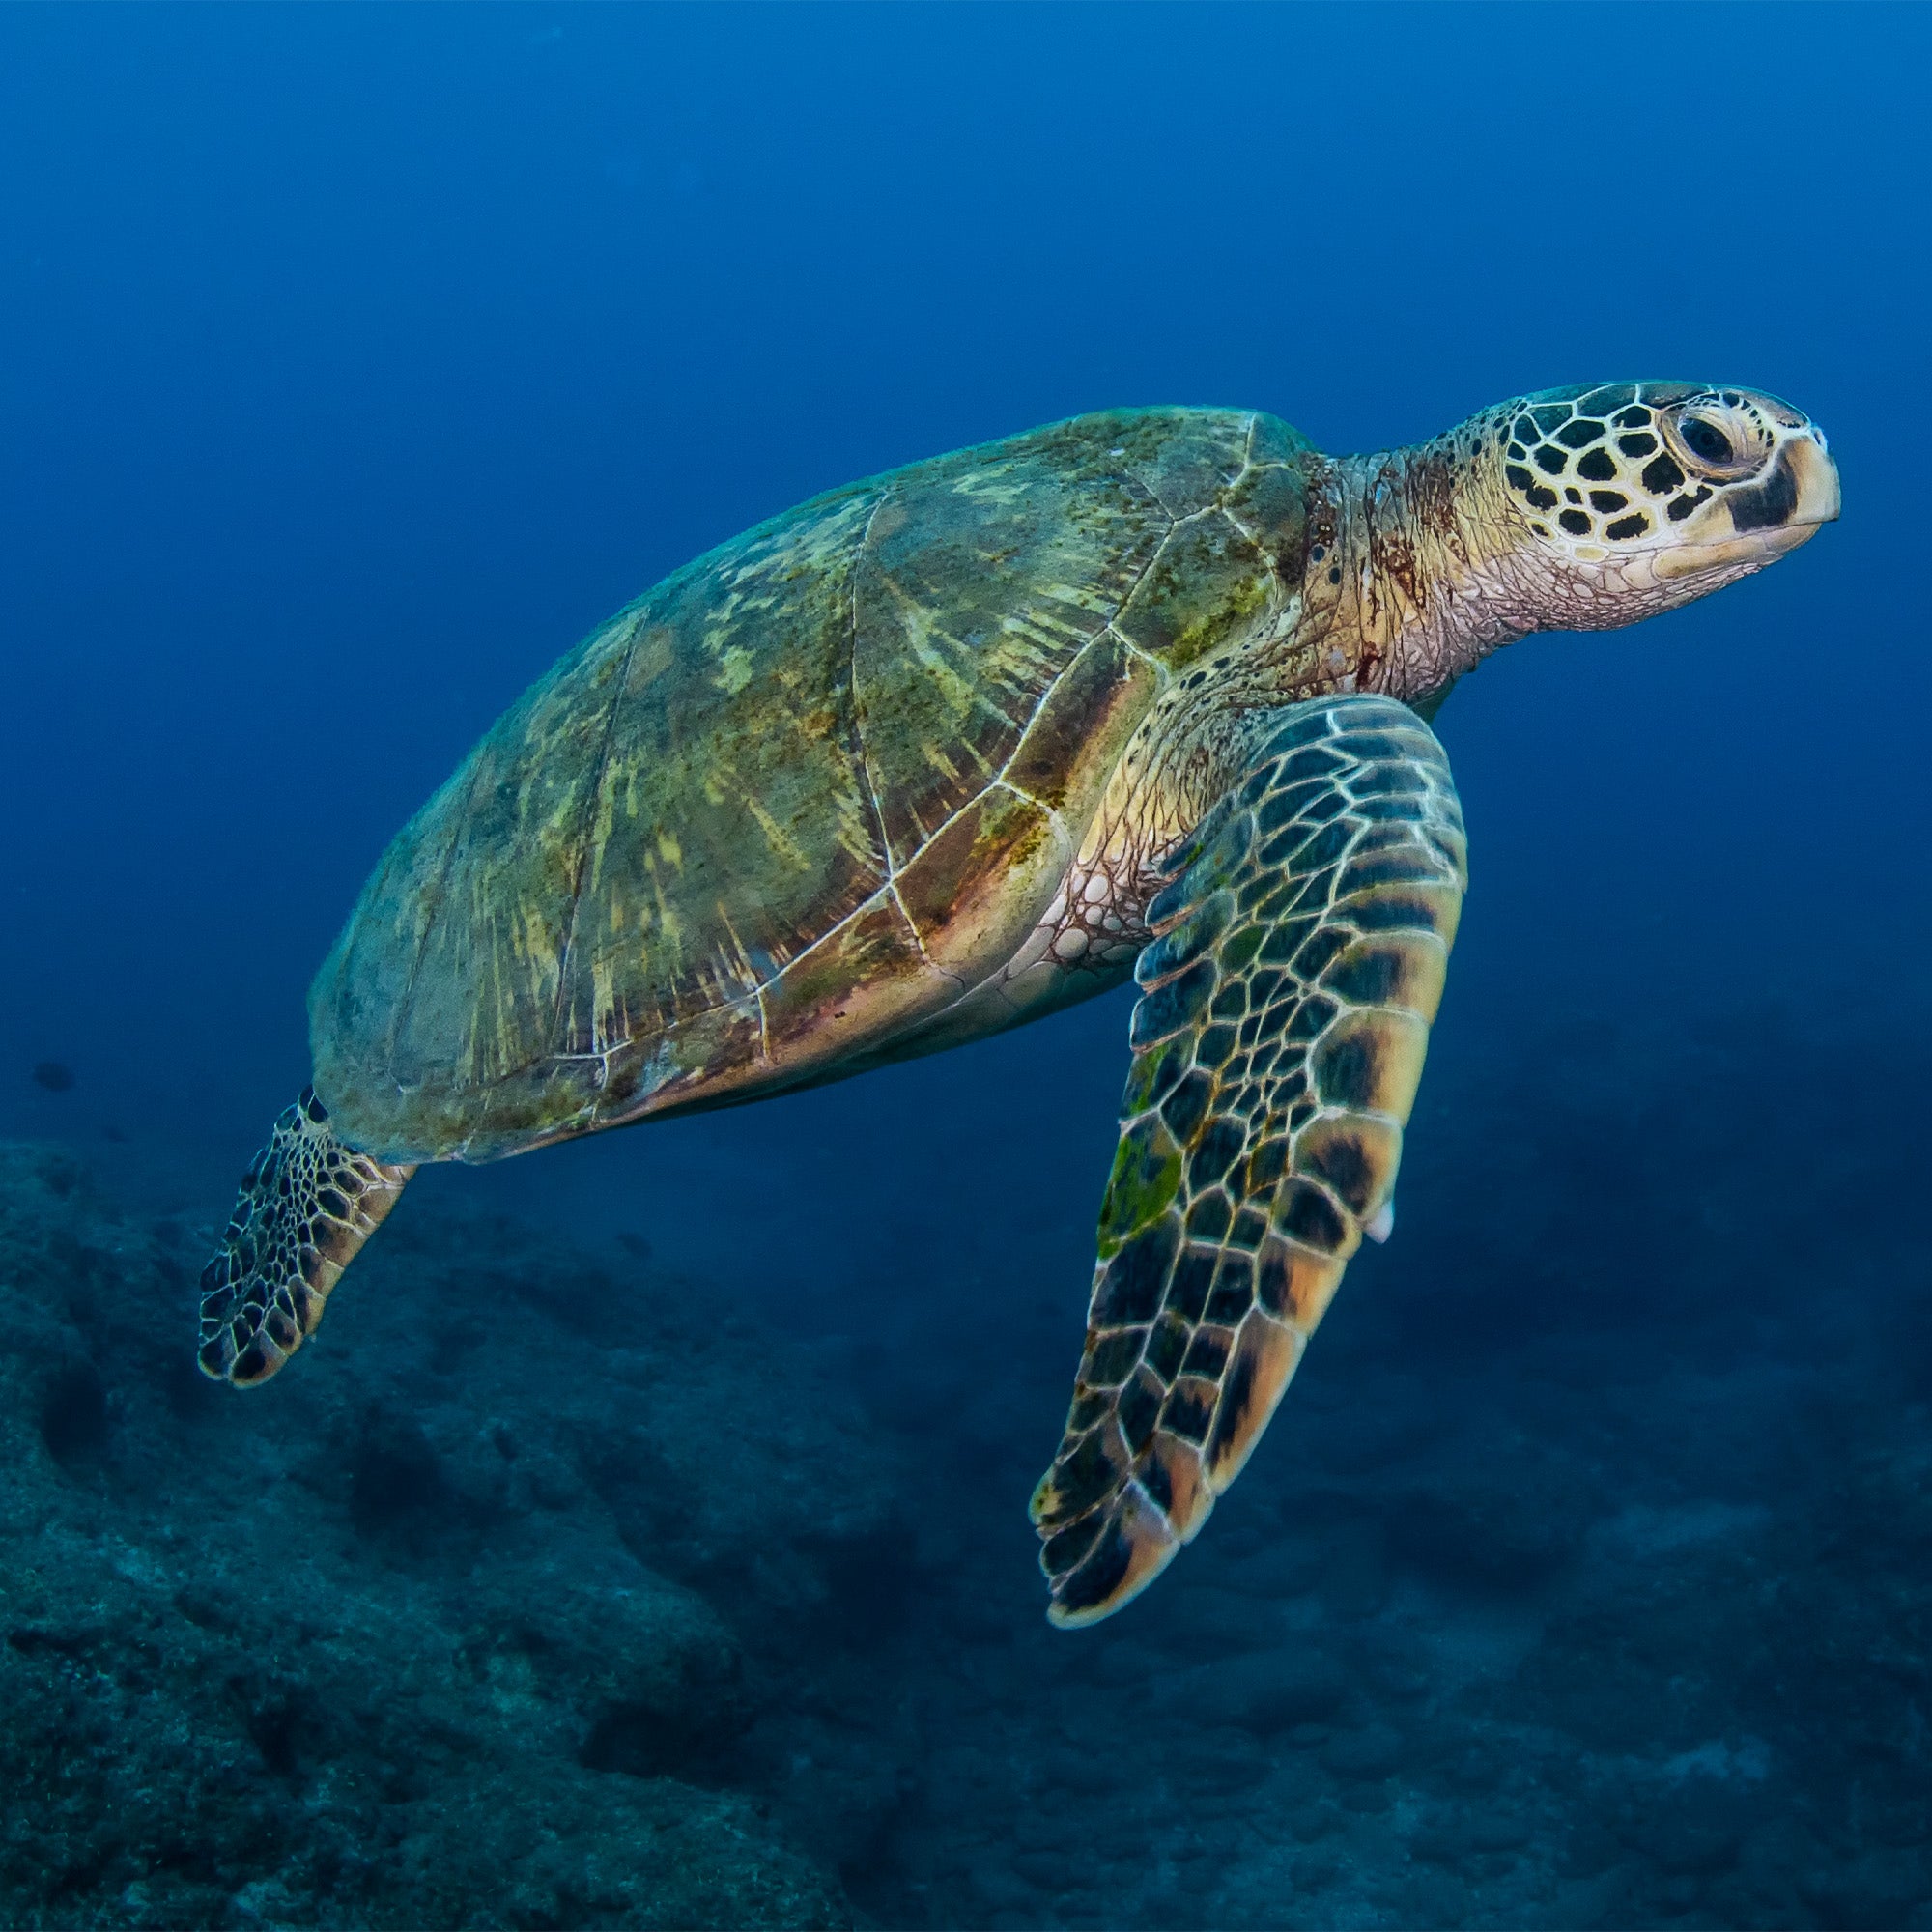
{"type": "Point", "coordinates": [354, 362]}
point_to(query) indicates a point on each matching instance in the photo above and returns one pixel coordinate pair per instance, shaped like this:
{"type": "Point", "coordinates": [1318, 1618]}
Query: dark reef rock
{"type": "Point", "coordinates": [546, 1589]}
{"type": "Point", "coordinates": [396, 1639]}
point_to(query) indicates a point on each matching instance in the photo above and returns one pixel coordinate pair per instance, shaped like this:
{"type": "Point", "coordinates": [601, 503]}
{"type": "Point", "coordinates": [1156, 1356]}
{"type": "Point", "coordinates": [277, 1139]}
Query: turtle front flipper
{"type": "Point", "coordinates": [1286, 1000]}
{"type": "Point", "coordinates": [307, 1203]}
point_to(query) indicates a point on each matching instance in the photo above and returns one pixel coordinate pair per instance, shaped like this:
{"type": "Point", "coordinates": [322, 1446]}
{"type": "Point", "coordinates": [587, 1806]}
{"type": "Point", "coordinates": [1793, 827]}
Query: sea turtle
{"type": "Point", "coordinates": [1140, 692]}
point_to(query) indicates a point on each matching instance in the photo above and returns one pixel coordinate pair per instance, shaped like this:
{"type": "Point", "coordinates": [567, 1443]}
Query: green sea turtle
{"type": "Point", "coordinates": [1142, 692]}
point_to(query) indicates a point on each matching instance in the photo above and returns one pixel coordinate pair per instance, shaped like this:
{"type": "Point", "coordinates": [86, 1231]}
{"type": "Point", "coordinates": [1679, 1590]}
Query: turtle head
{"type": "Point", "coordinates": [1638, 497]}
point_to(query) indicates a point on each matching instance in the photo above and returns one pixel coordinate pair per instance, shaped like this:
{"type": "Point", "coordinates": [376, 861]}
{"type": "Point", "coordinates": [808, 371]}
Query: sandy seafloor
{"type": "Point", "coordinates": [1585, 1578]}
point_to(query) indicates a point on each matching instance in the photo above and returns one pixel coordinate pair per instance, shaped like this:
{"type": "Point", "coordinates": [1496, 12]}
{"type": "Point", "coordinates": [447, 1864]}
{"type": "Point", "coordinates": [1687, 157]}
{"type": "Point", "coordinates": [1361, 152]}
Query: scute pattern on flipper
{"type": "Point", "coordinates": [305, 1206]}
{"type": "Point", "coordinates": [1286, 1000]}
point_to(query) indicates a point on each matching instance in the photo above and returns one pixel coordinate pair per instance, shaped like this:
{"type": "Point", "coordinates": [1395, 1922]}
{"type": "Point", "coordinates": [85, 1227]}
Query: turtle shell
{"type": "Point", "coordinates": [803, 794]}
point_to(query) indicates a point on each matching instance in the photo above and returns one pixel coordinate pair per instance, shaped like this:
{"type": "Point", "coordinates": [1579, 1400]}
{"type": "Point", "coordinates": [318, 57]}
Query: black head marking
{"type": "Point", "coordinates": [1662, 475]}
{"type": "Point", "coordinates": [1620, 463]}
{"type": "Point", "coordinates": [1769, 503]}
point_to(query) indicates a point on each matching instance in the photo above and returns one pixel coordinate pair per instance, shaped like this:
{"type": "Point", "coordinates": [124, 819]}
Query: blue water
{"type": "Point", "coordinates": [353, 363]}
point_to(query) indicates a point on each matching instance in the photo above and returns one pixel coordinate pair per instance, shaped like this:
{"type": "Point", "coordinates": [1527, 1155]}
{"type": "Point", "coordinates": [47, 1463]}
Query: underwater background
{"type": "Point", "coordinates": [644, 1539]}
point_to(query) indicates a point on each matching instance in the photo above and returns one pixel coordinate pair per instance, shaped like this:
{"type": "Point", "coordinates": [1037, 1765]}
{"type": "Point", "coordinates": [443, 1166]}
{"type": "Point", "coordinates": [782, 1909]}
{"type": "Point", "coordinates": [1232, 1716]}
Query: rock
{"type": "Point", "coordinates": [1214, 1762]}
{"type": "Point", "coordinates": [999, 1885]}
{"type": "Point", "coordinates": [1125, 1663]}
{"type": "Point", "coordinates": [1372, 1752]}
{"type": "Point", "coordinates": [1262, 1691]}
{"type": "Point", "coordinates": [1696, 1827]}
{"type": "Point", "coordinates": [1498, 1832]}
{"type": "Point", "coordinates": [1355, 1580]}
{"type": "Point", "coordinates": [1315, 1872]}
{"type": "Point", "coordinates": [1223, 1622]}
{"type": "Point", "coordinates": [1440, 1842]}
{"type": "Point", "coordinates": [1366, 1797]}
{"type": "Point", "coordinates": [1511, 1534]}
{"type": "Point", "coordinates": [390, 1633]}
{"type": "Point", "coordinates": [1876, 1887]}
{"type": "Point", "coordinates": [1679, 1894]}
{"type": "Point", "coordinates": [1433, 1898]}
{"type": "Point", "coordinates": [1084, 1772]}
{"type": "Point", "coordinates": [550, 1589]}
{"type": "Point", "coordinates": [1310, 1822]}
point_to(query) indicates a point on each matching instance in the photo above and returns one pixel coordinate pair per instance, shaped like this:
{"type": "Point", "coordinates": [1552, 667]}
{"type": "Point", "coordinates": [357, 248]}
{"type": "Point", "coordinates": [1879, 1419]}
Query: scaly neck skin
{"type": "Point", "coordinates": [1419, 563]}
{"type": "Point", "coordinates": [1425, 570]}
{"type": "Point", "coordinates": [1416, 570]}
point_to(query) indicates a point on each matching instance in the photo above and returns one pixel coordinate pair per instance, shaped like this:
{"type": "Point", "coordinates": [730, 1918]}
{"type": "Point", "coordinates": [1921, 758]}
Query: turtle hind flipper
{"type": "Point", "coordinates": [1284, 1014]}
{"type": "Point", "coordinates": [307, 1203]}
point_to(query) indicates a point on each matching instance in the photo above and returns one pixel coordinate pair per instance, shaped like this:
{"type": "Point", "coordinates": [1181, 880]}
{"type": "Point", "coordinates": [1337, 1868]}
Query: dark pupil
{"type": "Point", "coordinates": [1706, 440]}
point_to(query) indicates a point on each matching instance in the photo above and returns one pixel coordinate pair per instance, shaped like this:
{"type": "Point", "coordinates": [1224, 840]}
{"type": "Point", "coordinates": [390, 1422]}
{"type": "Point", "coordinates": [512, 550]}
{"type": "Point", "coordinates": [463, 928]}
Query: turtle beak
{"type": "Point", "coordinates": [1815, 478]}
{"type": "Point", "coordinates": [1771, 518]}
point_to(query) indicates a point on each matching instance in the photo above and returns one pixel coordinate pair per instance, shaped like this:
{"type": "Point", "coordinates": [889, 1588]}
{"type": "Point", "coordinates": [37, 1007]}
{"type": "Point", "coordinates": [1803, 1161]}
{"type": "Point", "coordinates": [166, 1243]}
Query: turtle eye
{"type": "Point", "coordinates": [1705, 441]}
{"type": "Point", "coordinates": [1725, 443]}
